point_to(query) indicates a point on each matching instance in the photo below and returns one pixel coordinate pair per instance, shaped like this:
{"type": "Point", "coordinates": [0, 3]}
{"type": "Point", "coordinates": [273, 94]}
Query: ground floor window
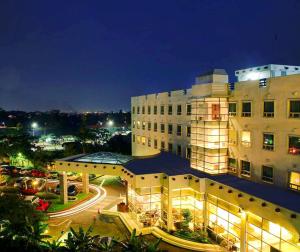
{"type": "Point", "coordinates": [294, 182]}
{"type": "Point", "coordinates": [232, 165]}
{"type": "Point", "coordinates": [294, 145]}
{"type": "Point", "coordinates": [245, 168]}
{"type": "Point", "coordinates": [267, 174]}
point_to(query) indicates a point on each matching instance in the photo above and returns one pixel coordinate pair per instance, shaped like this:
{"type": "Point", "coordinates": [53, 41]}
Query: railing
{"type": "Point", "coordinates": [246, 114]}
{"type": "Point", "coordinates": [294, 186]}
{"type": "Point", "coordinates": [294, 115]}
{"type": "Point", "coordinates": [245, 173]}
{"type": "Point", "coordinates": [268, 146]}
{"type": "Point", "coordinates": [268, 114]}
{"type": "Point", "coordinates": [232, 113]}
{"type": "Point", "coordinates": [267, 179]}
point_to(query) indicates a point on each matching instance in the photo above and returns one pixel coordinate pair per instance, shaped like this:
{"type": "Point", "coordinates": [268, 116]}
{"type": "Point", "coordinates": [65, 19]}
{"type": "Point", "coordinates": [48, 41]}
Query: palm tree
{"type": "Point", "coordinates": [36, 233]}
{"type": "Point", "coordinates": [107, 244]}
{"type": "Point", "coordinates": [54, 246]}
{"type": "Point", "coordinates": [81, 241]}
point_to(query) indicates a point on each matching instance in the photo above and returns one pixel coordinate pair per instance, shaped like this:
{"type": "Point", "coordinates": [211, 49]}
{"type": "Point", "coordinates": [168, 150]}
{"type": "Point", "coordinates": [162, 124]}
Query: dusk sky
{"type": "Point", "coordinates": [95, 55]}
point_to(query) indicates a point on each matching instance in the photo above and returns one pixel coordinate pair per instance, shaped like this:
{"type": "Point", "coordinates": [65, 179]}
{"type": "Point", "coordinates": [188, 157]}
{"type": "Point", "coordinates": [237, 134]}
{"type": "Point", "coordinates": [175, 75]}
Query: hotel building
{"type": "Point", "coordinates": [228, 153]}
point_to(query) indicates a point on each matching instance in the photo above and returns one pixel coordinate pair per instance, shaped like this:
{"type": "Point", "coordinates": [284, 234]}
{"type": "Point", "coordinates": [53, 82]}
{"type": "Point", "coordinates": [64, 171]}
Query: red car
{"type": "Point", "coordinates": [42, 205]}
{"type": "Point", "coordinates": [29, 191]}
{"type": "Point", "coordinates": [38, 174]}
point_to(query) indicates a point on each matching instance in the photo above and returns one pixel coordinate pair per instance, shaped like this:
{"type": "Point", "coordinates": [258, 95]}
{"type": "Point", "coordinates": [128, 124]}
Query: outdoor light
{"type": "Point", "coordinates": [34, 125]}
{"type": "Point", "coordinates": [110, 123]}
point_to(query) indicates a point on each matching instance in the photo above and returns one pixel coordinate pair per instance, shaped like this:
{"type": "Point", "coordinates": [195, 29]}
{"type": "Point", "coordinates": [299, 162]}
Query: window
{"type": "Point", "coordinates": [133, 110]}
{"type": "Point", "coordinates": [162, 128]}
{"type": "Point", "coordinates": [294, 145]}
{"type": "Point", "coordinates": [245, 168]}
{"type": "Point", "coordinates": [170, 108]}
{"type": "Point", "coordinates": [138, 139]}
{"type": "Point", "coordinates": [188, 131]}
{"type": "Point", "coordinates": [143, 140]}
{"type": "Point", "coordinates": [155, 110]}
{"type": "Point", "coordinates": [215, 112]}
{"type": "Point", "coordinates": [294, 109]}
{"type": "Point", "coordinates": [268, 108]}
{"type": "Point", "coordinates": [162, 145]}
{"type": "Point", "coordinates": [155, 143]}
{"type": "Point", "coordinates": [170, 147]}
{"type": "Point", "coordinates": [133, 124]}
{"type": "Point", "coordinates": [178, 109]}
{"type": "Point", "coordinates": [143, 110]}
{"type": "Point", "coordinates": [155, 127]}
{"type": "Point", "coordinates": [232, 108]}
{"type": "Point", "coordinates": [232, 165]}
{"type": "Point", "coordinates": [143, 125]}
{"type": "Point", "coordinates": [246, 109]}
{"type": "Point", "coordinates": [133, 138]}
{"type": "Point", "coordinates": [267, 174]}
{"type": "Point", "coordinates": [138, 124]}
{"type": "Point", "coordinates": [170, 129]}
{"type": "Point", "coordinates": [268, 141]}
{"type": "Point", "coordinates": [138, 110]}
{"type": "Point", "coordinates": [179, 150]}
{"type": "Point", "coordinates": [246, 138]}
{"type": "Point", "coordinates": [178, 130]}
{"type": "Point", "coordinates": [149, 110]}
{"type": "Point", "coordinates": [149, 142]}
{"type": "Point", "coordinates": [188, 109]}
{"type": "Point", "coordinates": [162, 110]}
{"type": "Point", "coordinates": [188, 152]}
{"type": "Point", "coordinates": [149, 125]}
{"type": "Point", "coordinates": [295, 181]}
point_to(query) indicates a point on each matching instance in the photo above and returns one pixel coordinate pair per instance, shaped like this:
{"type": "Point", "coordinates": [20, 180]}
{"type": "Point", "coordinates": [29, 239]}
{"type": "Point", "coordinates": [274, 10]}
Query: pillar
{"type": "Point", "coordinates": [63, 185]}
{"type": "Point", "coordinates": [243, 231]}
{"type": "Point", "coordinates": [85, 182]}
{"type": "Point", "coordinates": [170, 208]}
{"type": "Point", "coordinates": [126, 188]}
{"type": "Point", "coordinates": [205, 215]}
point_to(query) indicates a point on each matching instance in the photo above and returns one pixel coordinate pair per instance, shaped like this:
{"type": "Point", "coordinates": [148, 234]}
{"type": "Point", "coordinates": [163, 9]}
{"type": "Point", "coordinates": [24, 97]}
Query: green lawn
{"type": "Point", "coordinates": [56, 205]}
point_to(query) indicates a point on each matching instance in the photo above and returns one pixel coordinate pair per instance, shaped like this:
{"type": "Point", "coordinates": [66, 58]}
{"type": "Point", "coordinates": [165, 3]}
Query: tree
{"type": "Point", "coordinates": [187, 218]}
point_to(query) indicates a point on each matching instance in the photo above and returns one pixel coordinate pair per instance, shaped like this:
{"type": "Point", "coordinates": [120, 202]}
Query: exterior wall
{"type": "Point", "coordinates": [174, 98]}
{"type": "Point", "coordinates": [280, 90]}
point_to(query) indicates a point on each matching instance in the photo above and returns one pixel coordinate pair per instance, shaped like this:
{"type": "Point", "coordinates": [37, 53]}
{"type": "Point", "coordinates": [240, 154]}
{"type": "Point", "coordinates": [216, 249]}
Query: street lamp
{"type": "Point", "coordinates": [110, 123]}
{"type": "Point", "coordinates": [34, 126]}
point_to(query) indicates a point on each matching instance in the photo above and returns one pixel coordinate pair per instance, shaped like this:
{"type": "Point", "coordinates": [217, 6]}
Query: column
{"type": "Point", "coordinates": [85, 182]}
{"type": "Point", "coordinates": [63, 184]}
{"type": "Point", "coordinates": [126, 188]}
{"type": "Point", "coordinates": [243, 231]}
{"type": "Point", "coordinates": [205, 215]}
{"type": "Point", "coordinates": [170, 212]}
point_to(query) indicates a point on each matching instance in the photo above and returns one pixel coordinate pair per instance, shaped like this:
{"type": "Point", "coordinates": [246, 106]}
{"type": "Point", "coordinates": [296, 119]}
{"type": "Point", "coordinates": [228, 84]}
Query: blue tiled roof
{"type": "Point", "coordinates": [172, 165]}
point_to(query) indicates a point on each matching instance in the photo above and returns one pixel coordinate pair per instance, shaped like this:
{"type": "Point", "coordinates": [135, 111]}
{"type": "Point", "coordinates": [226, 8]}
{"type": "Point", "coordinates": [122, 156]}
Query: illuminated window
{"type": "Point", "coordinates": [178, 130]}
{"type": "Point", "coordinates": [294, 109]}
{"type": "Point", "coordinates": [170, 108]}
{"type": "Point", "coordinates": [162, 110]}
{"type": "Point", "coordinates": [246, 109]}
{"type": "Point", "coordinates": [149, 142]}
{"type": "Point", "coordinates": [179, 150]}
{"type": "Point", "coordinates": [267, 173]}
{"type": "Point", "coordinates": [133, 110]}
{"type": "Point", "coordinates": [155, 127]}
{"type": "Point", "coordinates": [170, 147]}
{"type": "Point", "coordinates": [162, 128]}
{"type": "Point", "coordinates": [268, 141]}
{"type": "Point", "coordinates": [245, 168]}
{"type": "Point", "coordinates": [138, 110]}
{"type": "Point", "coordinates": [232, 108]}
{"type": "Point", "coordinates": [188, 109]}
{"type": "Point", "coordinates": [268, 108]}
{"type": "Point", "coordinates": [143, 125]}
{"type": "Point", "coordinates": [155, 144]}
{"type": "Point", "coordinates": [155, 110]}
{"type": "Point", "coordinates": [294, 145]}
{"type": "Point", "coordinates": [143, 110]}
{"type": "Point", "coordinates": [170, 129]}
{"type": "Point", "coordinates": [138, 139]}
{"type": "Point", "coordinates": [246, 138]}
{"type": "Point", "coordinates": [149, 125]}
{"type": "Point", "coordinates": [295, 181]}
{"type": "Point", "coordinates": [143, 140]}
{"type": "Point", "coordinates": [215, 111]}
{"type": "Point", "coordinates": [178, 109]}
{"type": "Point", "coordinates": [232, 164]}
{"type": "Point", "coordinates": [162, 145]}
{"type": "Point", "coordinates": [149, 110]}
{"type": "Point", "coordinates": [138, 124]}
{"type": "Point", "coordinates": [188, 131]}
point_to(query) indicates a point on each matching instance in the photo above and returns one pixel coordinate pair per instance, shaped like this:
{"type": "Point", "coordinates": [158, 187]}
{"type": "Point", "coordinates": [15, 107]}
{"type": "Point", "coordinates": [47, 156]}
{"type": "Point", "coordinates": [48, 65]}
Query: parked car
{"type": "Point", "coordinates": [38, 174]}
{"type": "Point", "coordinates": [72, 190]}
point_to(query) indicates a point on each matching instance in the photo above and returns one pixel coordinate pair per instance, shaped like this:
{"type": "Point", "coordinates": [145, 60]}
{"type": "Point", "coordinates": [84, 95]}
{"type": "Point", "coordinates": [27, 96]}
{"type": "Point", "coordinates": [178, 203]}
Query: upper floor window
{"type": "Point", "coordinates": [143, 110]}
{"type": "Point", "coordinates": [294, 182]}
{"type": "Point", "coordinates": [215, 111]}
{"type": "Point", "coordinates": [268, 108]}
{"type": "Point", "coordinates": [170, 129]}
{"type": "Point", "coordinates": [294, 109]}
{"type": "Point", "coordinates": [162, 145]}
{"type": "Point", "coordinates": [179, 150]}
{"type": "Point", "coordinates": [232, 164]}
{"type": "Point", "coordinates": [155, 143]}
{"type": "Point", "coordinates": [267, 174]}
{"type": "Point", "coordinates": [170, 147]}
{"type": "Point", "coordinates": [245, 168]}
{"type": "Point", "coordinates": [162, 110]}
{"type": "Point", "coordinates": [155, 110]}
{"type": "Point", "coordinates": [155, 127]}
{"type": "Point", "coordinates": [294, 145]}
{"type": "Point", "coordinates": [149, 125]}
{"type": "Point", "coordinates": [170, 108]}
{"type": "Point", "coordinates": [246, 109]}
{"type": "Point", "coordinates": [133, 138]}
{"type": "Point", "coordinates": [138, 124]}
{"type": "Point", "coordinates": [149, 110]}
{"type": "Point", "coordinates": [162, 128]}
{"type": "Point", "coordinates": [188, 109]}
{"type": "Point", "coordinates": [188, 152]}
{"type": "Point", "coordinates": [133, 110]}
{"type": "Point", "coordinates": [246, 138]}
{"type": "Point", "coordinates": [178, 109]}
{"type": "Point", "coordinates": [143, 140]}
{"type": "Point", "coordinates": [138, 110]}
{"type": "Point", "coordinates": [138, 139]}
{"type": "Point", "coordinates": [268, 141]}
{"type": "Point", "coordinates": [149, 142]}
{"type": "Point", "coordinates": [188, 131]}
{"type": "Point", "coordinates": [143, 125]}
{"type": "Point", "coordinates": [133, 124]}
{"type": "Point", "coordinates": [232, 108]}
{"type": "Point", "coordinates": [178, 130]}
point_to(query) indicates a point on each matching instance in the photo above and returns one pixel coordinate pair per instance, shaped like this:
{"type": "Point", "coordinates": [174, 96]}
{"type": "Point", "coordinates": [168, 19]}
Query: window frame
{"type": "Point", "coordinates": [187, 111]}
{"type": "Point", "coordinates": [246, 114]}
{"type": "Point", "coordinates": [268, 114]}
{"type": "Point", "coordinates": [170, 132]}
{"type": "Point", "coordinates": [179, 125]}
{"type": "Point", "coordinates": [170, 111]}
{"type": "Point", "coordinates": [265, 146]}
{"type": "Point", "coordinates": [232, 114]}
{"type": "Point", "coordinates": [179, 111]}
{"type": "Point", "coordinates": [288, 140]}
{"type": "Point", "coordinates": [289, 110]}
{"type": "Point", "coordinates": [247, 173]}
{"type": "Point", "coordinates": [267, 179]}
